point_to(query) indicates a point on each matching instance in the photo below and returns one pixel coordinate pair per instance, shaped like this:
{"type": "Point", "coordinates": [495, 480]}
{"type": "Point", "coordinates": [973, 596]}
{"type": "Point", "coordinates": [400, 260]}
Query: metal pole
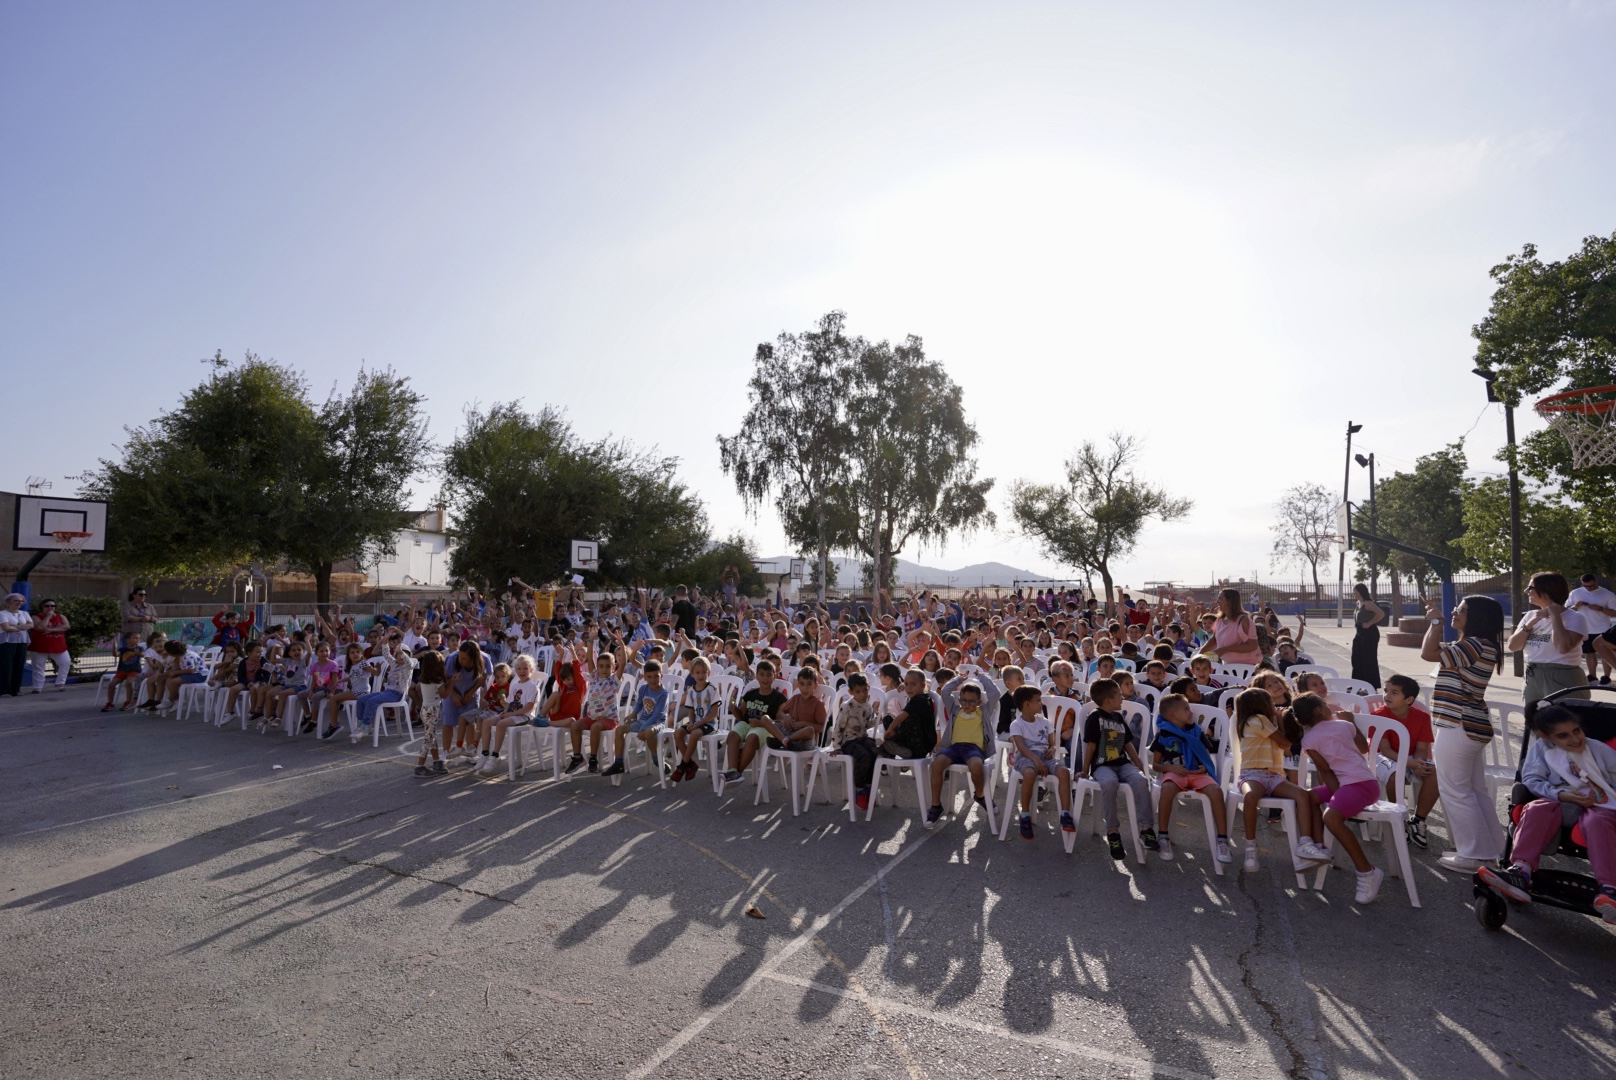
{"type": "Point", "coordinates": [1341, 566]}
{"type": "Point", "coordinates": [1374, 566]}
{"type": "Point", "coordinates": [1514, 529]}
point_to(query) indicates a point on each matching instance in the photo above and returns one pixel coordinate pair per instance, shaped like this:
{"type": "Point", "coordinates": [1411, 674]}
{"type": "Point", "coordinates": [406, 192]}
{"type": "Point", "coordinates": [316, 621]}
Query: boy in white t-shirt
{"type": "Point", "coordinates": [1597, 606]}
{"type": "Point", "coordinates": [1035, 756]}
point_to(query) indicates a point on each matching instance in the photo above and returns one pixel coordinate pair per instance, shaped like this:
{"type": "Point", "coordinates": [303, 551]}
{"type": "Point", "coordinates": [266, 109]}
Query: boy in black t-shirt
{"type": "Point", "coordinates": [1110, 758]}
{"type": "Point", "coordinates": [762, 702]}
{"type": "Point", "coordinates": [913, 732]}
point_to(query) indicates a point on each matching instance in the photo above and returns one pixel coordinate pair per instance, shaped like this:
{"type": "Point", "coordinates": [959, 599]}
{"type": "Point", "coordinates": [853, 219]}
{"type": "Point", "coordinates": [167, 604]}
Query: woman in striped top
{"type": "Point", "coordinates": [1464, 727]}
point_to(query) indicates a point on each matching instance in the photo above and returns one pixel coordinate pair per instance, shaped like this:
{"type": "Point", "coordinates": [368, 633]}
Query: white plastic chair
{"type": "Point", "coordinates": [1307, 669]}
{"type": "Point", "coordinates": [794, 760]}
{"type": "Point", "coordinates": [1241, 673]}
{"type": "Point", "coordinates": [379, 728]}
{"type": "Point", "coordinates": [1229, 773]}
{"type": "Point", "coordinates": [1084, 789]}
{"type": "Point", "coordinates": [919, 768]}
{"type": "Point", "coordinates": [1502, 754]}
{"type": "Point", "coordinates": [1392, 815]}
{"type": "Point", "coordinates": [1203, 715]}
{"type": "Point", "coordinates": [1350, 686]}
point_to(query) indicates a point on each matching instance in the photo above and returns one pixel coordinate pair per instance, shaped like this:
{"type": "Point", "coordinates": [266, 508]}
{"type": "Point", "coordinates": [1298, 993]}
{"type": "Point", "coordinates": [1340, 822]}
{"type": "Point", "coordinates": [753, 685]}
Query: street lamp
{"type": "Point", "coordinates": [1514, 502]}
{"type": "Point", "coordinates": [1374, 567]}
{"type": "Point", "coordinates": [1341, 567]}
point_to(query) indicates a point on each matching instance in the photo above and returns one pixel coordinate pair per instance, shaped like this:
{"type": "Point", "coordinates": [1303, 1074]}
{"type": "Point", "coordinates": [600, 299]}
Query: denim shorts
{"type": "Point", "coordinates": [961, 753]}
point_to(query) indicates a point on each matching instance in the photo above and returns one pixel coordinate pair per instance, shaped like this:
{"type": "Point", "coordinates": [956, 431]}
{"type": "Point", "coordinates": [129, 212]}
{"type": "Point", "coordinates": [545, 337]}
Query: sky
{"type": "Point", "coordinates": [1225, 229]}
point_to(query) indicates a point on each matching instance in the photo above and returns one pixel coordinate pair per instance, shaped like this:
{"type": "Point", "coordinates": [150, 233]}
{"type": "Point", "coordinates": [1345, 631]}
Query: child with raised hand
{"type": "Point", "coordinates": [356, 672]}
{"type": "Point", "coordinates": [1346, 784]}
{"type": "Point", "coordinates": [1185, 761]}
{"type": "Point", "coordinates": [430, 712]}
{"type": "Point", "coordinates": [600, 713]}
{"type": "Point", "coordinates": [649, 713]}
{"type": "Point", "coordinates": [697, 717]}
{"type": "Point", "coordinates": [967, 740]}
{"type": "Point", "coordinates": [1110, 759]}
{"type": "Point", "coordinates": [1574, 779]}
{"type": "Point", "coordinates": [1036, 755]}
{"type": "Point", "coordinates": [291, 680]}
{"type": "Point", "coordinates": [1263, 743]}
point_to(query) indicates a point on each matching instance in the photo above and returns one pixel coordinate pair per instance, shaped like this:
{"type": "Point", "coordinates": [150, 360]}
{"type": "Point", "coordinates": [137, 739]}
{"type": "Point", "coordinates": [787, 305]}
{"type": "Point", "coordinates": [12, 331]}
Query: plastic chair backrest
{"type": "Point", "coordinates": [1375, 729]}
{"type": "Point", "coordinates": [1212, 720]}
{"type": "Point", "coordinates": [1349, 686]}
{"type": "Point", "coordinates": [1306, 669]}
{"type": "Point", "coordinates": [1350, 702]}
{"type": "Point", "coordinates": [1239, 672]}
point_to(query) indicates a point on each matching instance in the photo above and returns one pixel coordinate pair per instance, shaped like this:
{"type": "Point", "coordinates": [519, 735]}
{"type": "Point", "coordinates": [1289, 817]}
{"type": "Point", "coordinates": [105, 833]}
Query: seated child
{"type": "Point", "coordinates": [1346, 783]}
{"type": "Point", "coordinates": [912, 732]}
{"type": "Point", "coordinates": [128, 674]}
{"type": "Point", "coordinates": [967, 740]}
{"type": "Point", "coordinates": [521, 707]}
{"type": "Point", "coordinates": [1013, 678]}
{"type": "Point", "coordinates": [763, 702]}
{"type": "Point", "coordinates": [697, 717]}
{"type": "Point", "coordinates": [1263, 743]}
{"type": "Point", "coordinates": [1402, 696]}
{"type": "Point", "coordinates": [1036, 756]}
{"type": "Point", "coordinates": [1574, 779]}
{"type": "Point", "coordinates": [600, 712]}
{"type": "Point", "coordinates": [1111, 758]}
{"type": "Point", "coordinates": [650, 711]}
{"type": "Point", "coordinates": [1186, 761]}
{"type": "Point", "coordinates": [855, 722]}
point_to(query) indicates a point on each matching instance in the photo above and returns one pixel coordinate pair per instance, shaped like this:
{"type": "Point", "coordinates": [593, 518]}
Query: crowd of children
{"type": "Point", "coordinates": [994, 685]}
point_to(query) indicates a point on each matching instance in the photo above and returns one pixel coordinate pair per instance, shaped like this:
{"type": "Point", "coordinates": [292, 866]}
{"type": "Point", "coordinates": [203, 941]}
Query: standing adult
{"type": "Point", "coordinates": [684, 613]}
{"type": "Point", "coordinates": [1234, 635]}
{"type": "Point", "coordinates": [1366, 622]}
{"type": "Point", "coordinates": [1464, 727]}
{"type": "Point", "coordinates": [1597, 606]}
{"type": "Point", "coordinates": [139, 620]}
{"type": "Point", "coordinates": [1552, 637]}
{"type": "Point", "coordinates": [15, 622]}
{"type": "Point", "coordinates": [48, 641]}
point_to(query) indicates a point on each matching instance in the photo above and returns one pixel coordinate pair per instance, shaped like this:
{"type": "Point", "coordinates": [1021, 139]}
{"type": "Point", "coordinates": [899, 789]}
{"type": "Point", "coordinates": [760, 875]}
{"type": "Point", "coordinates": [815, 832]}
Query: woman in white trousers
{"type": "Point", "coordinates": [48, 641]}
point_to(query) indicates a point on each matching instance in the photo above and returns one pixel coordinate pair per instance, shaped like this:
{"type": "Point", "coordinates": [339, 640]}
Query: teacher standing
{"type": "Point", "coordinates": [1464, 727]}
{"type": "Point", "coordinates": [15, 624]}
{"type": "Point", "coordinates": [1366, 637]}
{"type": "Point", "coordinates": [1552, 637]}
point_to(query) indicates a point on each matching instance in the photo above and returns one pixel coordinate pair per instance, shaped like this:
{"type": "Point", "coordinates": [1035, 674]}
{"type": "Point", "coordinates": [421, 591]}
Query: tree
{"type": "Point", "coordinates": [1303, 529]}
{"type": "Point", "coordinates": [1550, 535]}
{"type": "Point", "coordinates": [1097, 516]}
{"type": "Point", "coordinates": [521, 487]}
{"type": "Point", "coordinates": [706, 570]}
{"type": "Point", "coordinates": [1423, 508]}
{"type": "Point", "coordinates": [246, 470]}
{"type": "Point", "coordinates": [793, 440]}
{"type": "Point", "coordinates": [910, 471]}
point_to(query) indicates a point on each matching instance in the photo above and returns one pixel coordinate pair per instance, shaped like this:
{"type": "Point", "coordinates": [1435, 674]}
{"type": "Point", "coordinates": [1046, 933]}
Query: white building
{"type": "Point", "coordinates": [420, 555]}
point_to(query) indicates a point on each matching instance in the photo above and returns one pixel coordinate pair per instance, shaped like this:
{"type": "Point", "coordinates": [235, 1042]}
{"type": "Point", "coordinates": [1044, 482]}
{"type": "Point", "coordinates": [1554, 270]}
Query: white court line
{"type": "Point", "coordinates": [198, 798]}
{"type": "Point", "coordinates": [1046, 1042]}
{"type": "Point", "coordinates": [700, 1023]}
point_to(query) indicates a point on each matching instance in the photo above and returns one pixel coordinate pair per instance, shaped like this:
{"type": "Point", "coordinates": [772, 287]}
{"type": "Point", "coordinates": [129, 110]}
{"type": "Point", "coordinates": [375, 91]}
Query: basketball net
{"type": "Point", "coordinates": [1587, 421]}
{"type": "Point", "coordinates": [72, 542]}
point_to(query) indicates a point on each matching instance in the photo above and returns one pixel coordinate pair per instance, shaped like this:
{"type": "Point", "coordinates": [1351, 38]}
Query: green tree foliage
{"type": "Point", "coordinates": [910, 472]}
{"type": "Point", "coordinates": [248, 470]}
{"type": "Point", "coordinates": [706, 570]}
{"type": "Point", "coordinates": [1305, 521]}
{"type": "Point", "coordinates": [1096, 517]}
{"type": "Point", "coordinates": [522, 486]}
{"type": "Point", "coordinates": [1551, 536]}
{"type": "Point", "coordinates": [92, 620]}
{"type": "Point", "coordinates": [793, 440]}
{"type": "Point", "coordinates": [1424, 509]}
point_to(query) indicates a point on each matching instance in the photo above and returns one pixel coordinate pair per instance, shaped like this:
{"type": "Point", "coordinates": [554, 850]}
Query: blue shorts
{"type": "Point", "coordinates": [192, 680]}
{"type": "Point", "coordinates": [961, 753]}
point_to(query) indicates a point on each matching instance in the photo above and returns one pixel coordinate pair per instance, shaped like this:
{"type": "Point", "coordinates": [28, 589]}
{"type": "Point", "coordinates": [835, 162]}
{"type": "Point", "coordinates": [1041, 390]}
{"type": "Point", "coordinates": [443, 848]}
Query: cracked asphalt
{"type": "Point", "coordinates": [173, 905]}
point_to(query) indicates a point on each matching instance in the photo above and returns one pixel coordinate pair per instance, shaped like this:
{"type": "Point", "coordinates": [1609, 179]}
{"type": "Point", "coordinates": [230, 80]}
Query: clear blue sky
{"type": "Point", "coordinates": [1226, 228]}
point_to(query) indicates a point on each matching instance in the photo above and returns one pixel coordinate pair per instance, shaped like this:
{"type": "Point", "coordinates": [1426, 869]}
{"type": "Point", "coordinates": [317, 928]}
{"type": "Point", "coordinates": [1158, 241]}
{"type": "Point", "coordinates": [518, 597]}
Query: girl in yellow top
{"type": "Point", "coordinates": [1263, 744]}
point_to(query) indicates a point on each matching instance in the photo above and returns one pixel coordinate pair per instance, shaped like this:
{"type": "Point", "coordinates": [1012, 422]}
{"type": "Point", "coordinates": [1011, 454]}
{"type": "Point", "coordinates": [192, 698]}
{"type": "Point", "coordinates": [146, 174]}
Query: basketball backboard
{"type": "Point", "coordinates": [585, 555]}
{"type": "Point", "coordinates": [38, 516]}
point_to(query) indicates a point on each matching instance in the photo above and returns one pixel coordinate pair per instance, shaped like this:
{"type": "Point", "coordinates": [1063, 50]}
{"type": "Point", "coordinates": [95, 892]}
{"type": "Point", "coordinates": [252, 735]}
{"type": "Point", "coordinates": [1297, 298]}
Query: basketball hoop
{"type": "Point", "coordinates": [1584, 418]}
{"type": "Point", "coordinates": [72, 542]}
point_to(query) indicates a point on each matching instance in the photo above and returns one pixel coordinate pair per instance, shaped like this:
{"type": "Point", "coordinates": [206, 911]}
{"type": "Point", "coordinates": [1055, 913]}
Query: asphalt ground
{"type": "Point", "coordinates": [173, 905]}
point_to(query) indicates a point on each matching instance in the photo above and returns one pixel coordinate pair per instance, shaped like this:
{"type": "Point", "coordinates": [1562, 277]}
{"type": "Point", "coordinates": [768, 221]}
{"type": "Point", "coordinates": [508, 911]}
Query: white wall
{"type": "Point", "coordinates": [422, 557]}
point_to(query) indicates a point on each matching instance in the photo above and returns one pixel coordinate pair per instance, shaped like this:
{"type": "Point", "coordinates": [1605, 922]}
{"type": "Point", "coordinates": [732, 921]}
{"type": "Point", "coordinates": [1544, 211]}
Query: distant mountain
{"type": "Point", "coordinates": [977, 575]}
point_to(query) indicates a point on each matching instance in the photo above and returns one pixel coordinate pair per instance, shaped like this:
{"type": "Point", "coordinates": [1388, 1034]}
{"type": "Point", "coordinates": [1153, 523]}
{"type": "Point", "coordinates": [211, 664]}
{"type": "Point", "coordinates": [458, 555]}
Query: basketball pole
{"type": "Point", "coordinates": [1341, 565]}
{"type": "Point", "coordinates": [1519, 660]}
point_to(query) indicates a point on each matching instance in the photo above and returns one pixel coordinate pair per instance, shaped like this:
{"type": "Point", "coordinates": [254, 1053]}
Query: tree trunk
{"type": "Point", "coordinates": [824, 556]}
{"type": "Point", "coordinates": [1110, 593]}
{"type": "Point", "coordinates": [1318, 591]}
{"type": "Point", "coordinates": [322, 589]}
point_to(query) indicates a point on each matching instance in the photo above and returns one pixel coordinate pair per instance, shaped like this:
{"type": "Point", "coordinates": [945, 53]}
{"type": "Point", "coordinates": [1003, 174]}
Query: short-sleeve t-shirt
{"type": "Point", "coordinates": [757, 704]}
{"type": "Point", "coordinates": [1418, 724]}
{"type": "Point", "coordinates": [1597, 622]}
{"type": "Point", "coordinates": [854, 720]}
{"type": "Point", "coordinates": [522, 696]}
{"type": "Point", "coordinates": [1109, 734]}
{"type": "Point", "coordinates": [1258, 751]}
{"type": "Point", "coordinates": [1336, 742]}
{"type": "Point", "coordinates": [695, 704]}
{"type": "Point", "coordinates": [1035, 734]}
{"type": "Point", "coordinates": [1540, 647]}
{"type": "Point", "coordinates": [601, 702]}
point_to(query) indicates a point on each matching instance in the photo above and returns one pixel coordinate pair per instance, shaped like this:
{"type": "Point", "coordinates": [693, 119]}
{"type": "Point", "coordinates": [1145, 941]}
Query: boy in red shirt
{"type": "Point", "coordinates": [1402, 704]}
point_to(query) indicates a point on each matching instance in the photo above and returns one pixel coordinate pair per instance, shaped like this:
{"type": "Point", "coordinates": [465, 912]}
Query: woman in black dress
{"type": "Point", "coordinates": [1366, 642]}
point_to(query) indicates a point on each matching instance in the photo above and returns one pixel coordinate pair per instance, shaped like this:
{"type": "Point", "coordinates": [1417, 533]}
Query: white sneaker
{"type": "Point", "coordinates": [1459, 864]}
{"type": "Point", "coordinates": [1308, 850]}
{"type": "Point", "coordinates": [1251, 857]}
{"type": "Point", "coordinates": [1165, 846]}
{"type": "Point", "coordinates": [1369, 886]}
{"type": "Point", "coordinates": [1221, 852]}
{"type": "Point", "coordinates": [490, 767]}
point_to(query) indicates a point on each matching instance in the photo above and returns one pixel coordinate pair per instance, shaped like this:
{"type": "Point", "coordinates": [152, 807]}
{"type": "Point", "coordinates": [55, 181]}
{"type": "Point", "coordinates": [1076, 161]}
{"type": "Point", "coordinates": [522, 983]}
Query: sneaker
{"type": "Point", "coordinates": [614, 769]}
{"type": "Point", "coordinates": [1165, 847]}
{"type": "Point", "coordinates": [1114, 842]}
{"type": "Point", "coordinates": [982, 802]}
{"type": "Point", "coordinates": [107, 707]}
{"type": "Point", "coordinates": [1310, 851]}
{"type": "Point", "coordinates": [1251, 857]}
{"type": "Point", "coordinates": [734, 776]}
{"type": "Point", "coordinates": [594, 765]}
{"type": "Point", "coordinates": [1604, 680]}
{"type": "Point", "coordinates": [439, 768]}
{"type": "Point", "coordinates": [1416, 833]}
{"type": "Point", "coordinates": [490, 766]}
{"type": "Point", "coordinates": [862, 800]}
{"type": "Point", "coordinates": [933, 816]}
{"type": "Point", "coordinates": [1152, 841]}
{"type": "Point", "coordinates": [422, 770]}
{"type": "Point", "coordinates": [573, 763]}
{"type": "Point", "coordinates": [1067, 824]}
{"type": "Point", "coordinates": [1605, 904]}
{"type": "Point", "coordinates": [1369, 886]}
{"type": "Point", "coordinates": [1221, 851]}
{"type": "Point", "coordinates": [1459, 864]}
{"type": "Point", "coordinates": [1026, 826]}
{"type": "Point", "coordinates": [1512, 884]}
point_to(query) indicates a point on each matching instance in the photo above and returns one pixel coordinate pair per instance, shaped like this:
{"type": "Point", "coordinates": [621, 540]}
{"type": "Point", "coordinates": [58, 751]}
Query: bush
{"type": "Point", "coordinates": [93, 619]}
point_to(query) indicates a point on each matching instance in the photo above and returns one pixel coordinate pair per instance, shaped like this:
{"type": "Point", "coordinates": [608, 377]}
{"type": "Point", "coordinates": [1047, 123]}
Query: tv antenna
{"type": "Point", "coordinates": [36, 484]}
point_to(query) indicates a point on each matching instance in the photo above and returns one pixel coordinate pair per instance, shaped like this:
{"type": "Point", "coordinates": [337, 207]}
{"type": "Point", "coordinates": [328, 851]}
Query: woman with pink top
{"type": "Point", "coordinates": [1234, 635]}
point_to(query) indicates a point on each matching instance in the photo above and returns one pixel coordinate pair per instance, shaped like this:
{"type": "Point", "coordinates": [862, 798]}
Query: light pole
{"type": "Point", "coordinates": [1374, 566]}
{"type": "Point", "coordinates": [1341, 567]}
{"type": "Point", "coordinates": [1514, 505]}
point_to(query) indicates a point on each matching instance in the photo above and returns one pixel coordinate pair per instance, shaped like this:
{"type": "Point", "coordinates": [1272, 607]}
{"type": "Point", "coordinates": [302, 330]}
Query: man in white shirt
{"type": "Point", "coordinates": [1597, 606]}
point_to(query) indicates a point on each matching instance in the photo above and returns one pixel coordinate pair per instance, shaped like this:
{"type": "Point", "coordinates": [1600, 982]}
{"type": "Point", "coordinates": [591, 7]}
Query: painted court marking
{"type": "Point", "coordinates": [702, 1022]}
